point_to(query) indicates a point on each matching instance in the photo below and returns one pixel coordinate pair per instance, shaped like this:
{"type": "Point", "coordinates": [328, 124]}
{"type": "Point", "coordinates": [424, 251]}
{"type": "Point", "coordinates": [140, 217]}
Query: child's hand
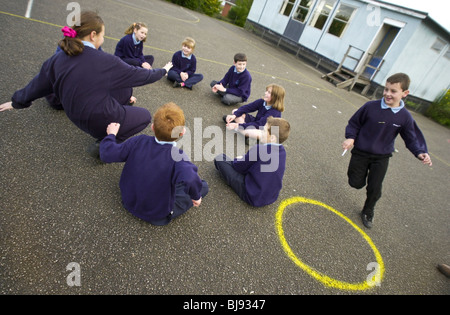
{"type": "Point", "coordinates": [348, 144]}
{"type": "Point", "coordinates": [230, 118]}
{"type": "Point", "coordinates": [219, 87]}
{"type": "Point", "coordinates": [146, 65]}
{"type": "Point", "coordinates": [197, 203]}
{"type": "Point", "coordinates": [113, 129]}
{"type": "Point", "coordinates": [232, 126]}
{"type": "Point", "coordinates": [426, 159]}
{"type": "Point", "coordinates": [168, 66]}
{"type": "Point", "coordinates": [184, 76]}
{"type": "Point", "coordinates": [6, 106]}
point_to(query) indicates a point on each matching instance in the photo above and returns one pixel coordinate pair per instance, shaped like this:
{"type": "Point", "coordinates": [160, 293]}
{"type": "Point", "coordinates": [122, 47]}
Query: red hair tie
{"type": "Point", "coordinates": [69, 32]}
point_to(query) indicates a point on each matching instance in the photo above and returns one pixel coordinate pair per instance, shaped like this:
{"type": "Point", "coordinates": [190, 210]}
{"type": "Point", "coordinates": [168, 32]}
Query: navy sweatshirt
{"type": "Point", "coordinates": [375, 129]}
{"type": "Point", "coordinates": [239, 84]}
{"type": "Point", "coordinates": [181, 64]}
{"type": "Point", "coordinates": [91, 87]}
{"type": "Point", "coordinates": [127, 49]}
{"type": "Point", "coordinates": [261, 116]}
{"type": "Point", "coordinates": [150, 174]}
{"type": "Point", "coordinates": [263, 167]}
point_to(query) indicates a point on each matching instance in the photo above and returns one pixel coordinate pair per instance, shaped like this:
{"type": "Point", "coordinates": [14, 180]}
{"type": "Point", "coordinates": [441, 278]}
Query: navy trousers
{"type": "Point", "coordinates": [368, 169]}
{"type": "Point", "coordinates": [183, 202]}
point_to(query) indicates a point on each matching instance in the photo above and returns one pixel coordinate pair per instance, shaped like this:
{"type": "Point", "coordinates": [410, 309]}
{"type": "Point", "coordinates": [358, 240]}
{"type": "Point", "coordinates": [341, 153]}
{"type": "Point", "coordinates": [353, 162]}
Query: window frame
{"type": "Point", "coordinates": [317, 14]}
{"type": "Point", "coordinates": [309, 10]}
{"type": "Point", "coordinates": [335, 18]}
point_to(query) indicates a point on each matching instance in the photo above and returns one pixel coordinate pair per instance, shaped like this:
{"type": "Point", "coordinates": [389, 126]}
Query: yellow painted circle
{"type": "Point", "coordinates": [330, 282]}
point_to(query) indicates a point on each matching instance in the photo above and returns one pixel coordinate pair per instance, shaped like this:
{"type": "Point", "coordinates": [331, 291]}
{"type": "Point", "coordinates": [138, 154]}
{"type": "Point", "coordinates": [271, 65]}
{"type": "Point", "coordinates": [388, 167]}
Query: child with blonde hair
{"type": "Point", "coordinates": [130, 48]}
{"type": "Point", "coordinates": [184, 66]}
{"type": "Point", "coordinates": [272, 104]}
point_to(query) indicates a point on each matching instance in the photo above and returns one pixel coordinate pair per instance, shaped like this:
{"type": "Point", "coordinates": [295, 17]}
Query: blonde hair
{"type": "Point", "coordinates": [190, 42]}
{"type": "Point", "coordinates": [168, 120]}
{"type": "Point", "coordinates": [89, 21]}
{"type": "Point", "coordinates": [136, 26]}
{"type": "Point", "coordinates": [277, 96]}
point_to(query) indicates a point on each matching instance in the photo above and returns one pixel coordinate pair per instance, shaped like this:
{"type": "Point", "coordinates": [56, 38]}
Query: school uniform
{"type": "Point", "coordinates": [188, 64]}
{"type": "Point", "coordinates": [131, 51]}
{"type": "Point", "coordinates": [257, 178]}
{"type": "Point", "coordinates": [158, 182]}
{"type": "Point", "coordinates": [92, 88]}
{"type": "Point", "coordinates": [264, 112]}
{"type": "Point", "coordinates": [238, 85]}
{"type": "Point", "coordinates": [374, 127]}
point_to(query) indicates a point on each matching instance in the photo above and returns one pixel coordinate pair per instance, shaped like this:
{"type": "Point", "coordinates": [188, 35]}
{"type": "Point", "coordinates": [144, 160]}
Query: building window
{"type": "Point", "coordinates": [438, 45]}
{"type": "Point", "coordinates": [341, 20]}
{"type": "Point", "coordinates": [322, 13]}
{"type": "Point", "coordinates": [447, 54]}
{"type": "Point", "coordinates": [301, 13]}
{"type": "Point", "coordinates": [286, 7]}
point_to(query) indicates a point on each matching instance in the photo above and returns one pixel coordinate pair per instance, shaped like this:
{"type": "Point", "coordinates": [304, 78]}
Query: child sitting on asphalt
{"type": "Point", "coordinates": [272, 104]}
{"type": "Point", "coordinates": [235, 86]}
{"type": "Point", "coordinates": [257, 178]}
{"type": "Point", "coordinates": [158, 182]}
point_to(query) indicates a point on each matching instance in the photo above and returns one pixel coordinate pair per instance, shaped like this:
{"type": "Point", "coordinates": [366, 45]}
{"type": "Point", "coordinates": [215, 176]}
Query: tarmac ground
{"type": "Point", "coordinates": [63, 229]}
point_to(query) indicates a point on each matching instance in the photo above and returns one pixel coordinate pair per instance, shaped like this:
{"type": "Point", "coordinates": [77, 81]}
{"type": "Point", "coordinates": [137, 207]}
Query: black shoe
{"type": "Point", "coordinates": [94, 149]}
{"type": "Point", "coordinates": [176, 84]}
{"type": "Point", "coordinates": [367, 221]}
{"type": "Point", "coordinates": [444, 269]}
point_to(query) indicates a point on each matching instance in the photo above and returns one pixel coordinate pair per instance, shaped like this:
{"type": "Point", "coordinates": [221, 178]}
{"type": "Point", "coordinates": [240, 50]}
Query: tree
{"type": "Point", "coordinates": [238, 14]}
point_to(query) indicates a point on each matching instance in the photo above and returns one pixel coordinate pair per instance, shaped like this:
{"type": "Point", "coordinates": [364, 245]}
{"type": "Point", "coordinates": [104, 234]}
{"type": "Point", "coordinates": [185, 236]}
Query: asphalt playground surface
{"type": "Point", "coordinates": [58, 205]}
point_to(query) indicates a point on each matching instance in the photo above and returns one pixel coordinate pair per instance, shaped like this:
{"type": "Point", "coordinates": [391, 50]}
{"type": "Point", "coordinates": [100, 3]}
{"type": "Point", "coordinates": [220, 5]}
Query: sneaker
{"type": "Point", "coordinates": [94, 149]}
{"type": "Point", "coordinates": [176, 84]}
{"type": "Point", "coordinates": [367, 221]}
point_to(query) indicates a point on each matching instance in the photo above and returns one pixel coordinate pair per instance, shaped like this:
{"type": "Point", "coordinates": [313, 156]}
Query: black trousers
{"type": "Point", "coordinates": [370, 169]}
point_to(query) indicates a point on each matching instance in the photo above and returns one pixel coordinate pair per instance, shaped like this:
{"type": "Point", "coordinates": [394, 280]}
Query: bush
{"type": "Point", "coordinates": [209, 7]}
{"type": "Point", "coordinates": [238, 14]}
{"type": "Point", "coordinates": [440, 110]}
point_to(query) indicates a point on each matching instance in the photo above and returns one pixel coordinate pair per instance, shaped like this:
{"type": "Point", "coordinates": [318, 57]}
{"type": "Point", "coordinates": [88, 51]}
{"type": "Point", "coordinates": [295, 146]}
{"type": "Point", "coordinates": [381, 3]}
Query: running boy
{"type": "Point", "coordinates": [372, 131]}
{"type": "Point", "coordinates": [257, 178]}
{"type": "Point", "coordinates": [184, 66]}
{"type": "Point", "coordinates": [235, 86]}
{"type": "Point", "coordinates": [158, 181]}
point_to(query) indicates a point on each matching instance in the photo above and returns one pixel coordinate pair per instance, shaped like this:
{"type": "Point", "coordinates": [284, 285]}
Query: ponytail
{"type": "Point", "coordinates": [71, 44]}
{"type": "Point", "coordinates": [135, 26]}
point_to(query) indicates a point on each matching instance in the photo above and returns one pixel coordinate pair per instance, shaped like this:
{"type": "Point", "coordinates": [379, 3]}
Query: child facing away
{"type": "Point", "coordinates": [93, 87]}
{"type": "Point", "coordinates": [130, 48]}
{"type": "Point", "coordinates": [257, 178]}
{"type": "Point", "coordinates": [184, 66]}
{"type": "Point", "coordinates": [235, 86]}
{"type": "Point", "coordinates": [272, 104]}
{"type": "Point", "coordinates": [372, 131]}
{"type": "Point", "coordinates": [158, 182]}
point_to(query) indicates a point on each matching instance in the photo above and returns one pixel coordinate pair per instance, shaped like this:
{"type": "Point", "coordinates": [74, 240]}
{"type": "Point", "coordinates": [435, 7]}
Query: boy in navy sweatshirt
{"type": "Point", "coordinates": [235, 86]}
{"type": "Point", "coordinates": [257, 178]}
{"type": "Point", "coordinates": [158, 182]}
{"type": "Point", "coordinates": [372, 131]}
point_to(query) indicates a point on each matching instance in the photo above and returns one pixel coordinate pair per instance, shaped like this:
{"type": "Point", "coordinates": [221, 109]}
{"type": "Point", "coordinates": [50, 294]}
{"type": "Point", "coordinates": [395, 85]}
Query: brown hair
{"type": "Point", "coordinates": [240, 57]}
{"type": "Point", "coordinates": [277, 96]}
{"type": "Point", "coordinates": [89, 21]}
{"type": "Point", "coordinates": [401, 78]}
{"type": "Point", "coordinates": [135, 26]}
{"type": "Point", "coordinates": [283, 126]}
{"type": "Point", "coordinates": [168, 122]}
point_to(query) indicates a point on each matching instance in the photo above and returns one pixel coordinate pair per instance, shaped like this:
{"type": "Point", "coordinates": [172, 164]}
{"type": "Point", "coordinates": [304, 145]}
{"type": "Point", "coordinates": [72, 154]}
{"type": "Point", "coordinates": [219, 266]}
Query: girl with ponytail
{"type": "Point", "coordinates": [93, 87]}
{"type": "Point", "coordinates": [130, 48]}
